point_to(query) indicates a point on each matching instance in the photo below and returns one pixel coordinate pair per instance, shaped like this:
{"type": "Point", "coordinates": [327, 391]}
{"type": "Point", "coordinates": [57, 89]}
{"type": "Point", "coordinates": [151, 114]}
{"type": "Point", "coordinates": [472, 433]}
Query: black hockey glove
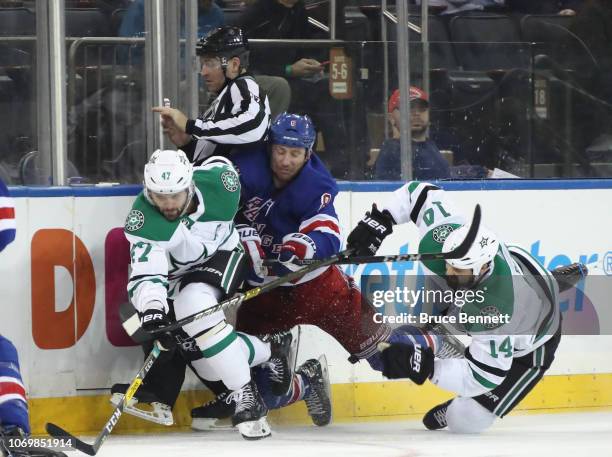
{"type": "Point", "coordinates": [407, 361]}
{"type": "Point", "coordinates": [152, 319]}
{"type": "Point", "coordinates": [366, 238]}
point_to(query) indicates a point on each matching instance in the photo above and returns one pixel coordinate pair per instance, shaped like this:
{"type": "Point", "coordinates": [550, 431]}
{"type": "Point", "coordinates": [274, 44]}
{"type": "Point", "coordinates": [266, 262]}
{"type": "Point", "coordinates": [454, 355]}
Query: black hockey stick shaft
{"type": "Point", "coordinates": [92, 449]}
{"type": "Point", "coordinates": [456, 253]}
{"type": "Point", "coordinates": [254, 292]}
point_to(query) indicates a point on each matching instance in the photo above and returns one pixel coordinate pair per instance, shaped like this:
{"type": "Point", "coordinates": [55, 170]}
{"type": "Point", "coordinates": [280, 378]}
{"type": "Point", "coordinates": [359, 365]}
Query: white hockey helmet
{"type": "Point", "coordinates": [481, 252]}
{"type": "Point", "coordinates": [169, 172]}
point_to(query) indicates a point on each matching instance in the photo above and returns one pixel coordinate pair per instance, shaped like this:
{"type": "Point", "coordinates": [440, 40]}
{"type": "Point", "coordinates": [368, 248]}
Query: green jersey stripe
{"type": "Point", "coordinates": [518, 388]}
{"type": "Point", "coordinates": [249, 345]}
{"type": "Point", "coordinates": [230, 271]}
{"type": "Point", "coordinates": [219, 346]}
{"type": "Point", "coordinates": [133, 288]}
{"type": "Point", "coordinates": [482, 380]}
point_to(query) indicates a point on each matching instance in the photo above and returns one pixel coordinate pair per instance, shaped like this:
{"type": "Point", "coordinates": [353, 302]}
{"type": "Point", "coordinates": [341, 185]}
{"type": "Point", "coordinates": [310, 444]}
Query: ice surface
{"type": "Point", "coordinates": [546, 435]}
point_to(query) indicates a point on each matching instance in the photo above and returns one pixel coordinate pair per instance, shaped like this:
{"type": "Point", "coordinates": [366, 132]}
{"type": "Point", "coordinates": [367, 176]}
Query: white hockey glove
{"type": "Point", "coordinates": [296, 246]}
{"type": "Point", "coordinates": [252, 244]}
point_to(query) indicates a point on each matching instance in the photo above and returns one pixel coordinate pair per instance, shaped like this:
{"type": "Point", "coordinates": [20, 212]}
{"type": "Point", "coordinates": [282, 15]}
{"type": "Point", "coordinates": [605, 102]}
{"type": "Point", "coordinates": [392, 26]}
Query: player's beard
{"type": "Point", "coordinates": [457, 282]}
{"type": "Point", "coordinates": [171, 215]}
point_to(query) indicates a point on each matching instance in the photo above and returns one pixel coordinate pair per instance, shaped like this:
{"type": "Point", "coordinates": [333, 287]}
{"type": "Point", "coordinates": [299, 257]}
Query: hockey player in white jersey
{"type": "Point", "coordinates": [512, 349]}
{"type": "Point", "coordinates": [186, 256]}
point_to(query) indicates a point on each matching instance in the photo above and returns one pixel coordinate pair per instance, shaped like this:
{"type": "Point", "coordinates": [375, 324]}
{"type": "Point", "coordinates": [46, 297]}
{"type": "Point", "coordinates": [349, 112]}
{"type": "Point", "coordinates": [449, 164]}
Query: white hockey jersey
{"type": "Point", "coordinates": [162, 250]}
{"type": "Point", "coordinates": [517, 287]}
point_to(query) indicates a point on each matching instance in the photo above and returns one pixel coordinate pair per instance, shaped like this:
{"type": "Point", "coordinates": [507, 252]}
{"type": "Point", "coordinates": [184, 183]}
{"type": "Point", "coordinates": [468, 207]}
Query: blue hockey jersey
{"type": "Point", "coordinates": [13, 403]}
{"type": "Point", "coordinates": [7, 217]}
{"type": "Point", "coordinates": [305, 205]}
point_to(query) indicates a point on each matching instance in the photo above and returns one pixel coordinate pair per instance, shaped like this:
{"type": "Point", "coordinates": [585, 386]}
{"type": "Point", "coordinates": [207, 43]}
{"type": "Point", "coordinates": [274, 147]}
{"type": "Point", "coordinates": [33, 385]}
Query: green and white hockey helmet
{"type": "Point", "coordinates": [481, 252]}
{"type": "Point", "coordinates": [168, 172]}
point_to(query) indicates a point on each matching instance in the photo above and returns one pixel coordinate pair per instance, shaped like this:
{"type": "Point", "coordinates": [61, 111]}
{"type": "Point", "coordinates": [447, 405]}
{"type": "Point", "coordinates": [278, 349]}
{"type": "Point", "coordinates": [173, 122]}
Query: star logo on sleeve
{"type": "Point", "coordinates": [483, 242]}
{"type": "Point", "coordinates": [135, 220]}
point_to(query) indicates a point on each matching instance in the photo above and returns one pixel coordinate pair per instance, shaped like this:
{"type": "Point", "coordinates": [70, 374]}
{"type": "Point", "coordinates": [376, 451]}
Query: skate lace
{"type": "Point", "coordinates": [217, 399]}
{"type": "Point", "coordinates": [451, 346]}
{"type": "Point", "coordinates": [313, 401]}
{"type": "Point", "coordinates": [449, 351]}
{"type": "Point", "coordinates": [440, 417]}
{"type": "Point", "coordinates": [314, 404]}
{"type": "Point", "coordinates": [243, 398]}
{"type": "Point", "coordinates": [277, 370]}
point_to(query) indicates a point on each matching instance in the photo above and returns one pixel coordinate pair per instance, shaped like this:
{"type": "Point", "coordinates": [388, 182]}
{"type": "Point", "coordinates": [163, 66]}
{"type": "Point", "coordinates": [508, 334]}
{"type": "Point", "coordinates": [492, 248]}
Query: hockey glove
{"type": "Point", "coordinates": [152, 319]}
{"type": "Point", "coordinates": [366, 238]}
{"type": "Point", "coordinates": [407, 361]}
{"type": "Point", "coordinates": [252, 244]}
{"type": "Point", "coordinates": [296, 246]}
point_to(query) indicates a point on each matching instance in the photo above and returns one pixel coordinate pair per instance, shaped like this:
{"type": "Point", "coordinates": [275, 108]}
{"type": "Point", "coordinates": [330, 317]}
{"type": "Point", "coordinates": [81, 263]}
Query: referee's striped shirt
{"type": "Point", "coordinates": [238, 117]}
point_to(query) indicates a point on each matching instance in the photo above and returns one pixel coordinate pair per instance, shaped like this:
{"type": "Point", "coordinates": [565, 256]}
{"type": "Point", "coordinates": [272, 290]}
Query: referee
{"type": "Point", "coordinates": [240, 115]}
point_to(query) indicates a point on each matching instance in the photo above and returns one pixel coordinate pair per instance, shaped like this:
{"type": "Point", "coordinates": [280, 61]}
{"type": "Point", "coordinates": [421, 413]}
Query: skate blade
{"type": "Point", "coordinates": [156, 412]}
{"type": "Point", "coordinates": [255, 430]}
{"type": "Point", "coordinates": [211, 425]}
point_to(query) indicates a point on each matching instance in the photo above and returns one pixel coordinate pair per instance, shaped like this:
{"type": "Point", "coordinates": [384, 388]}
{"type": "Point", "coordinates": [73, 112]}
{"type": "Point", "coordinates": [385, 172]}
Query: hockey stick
{"type": "Point", "coordinates": [339, 258]}
{"type": "Point", "coordinates": [254, 292]}
{"type": "Point", "coordinates": [92, 449]}
{"type": "Point", "coordinates": [456, 253]}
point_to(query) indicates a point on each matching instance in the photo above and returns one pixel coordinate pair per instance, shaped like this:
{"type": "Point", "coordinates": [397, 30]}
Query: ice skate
{"type": "Point", "coordinates": [144, 404]}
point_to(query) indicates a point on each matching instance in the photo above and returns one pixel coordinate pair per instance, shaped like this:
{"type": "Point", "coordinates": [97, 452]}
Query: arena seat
{"type": "Point", "coordinates": [487, 42]}
{"type": "Point", "coordinates": [17, 22]}
{"type": "Point", "coordinates": [549, 34]}
{"type": "Point", "coordinates": [87, 22]}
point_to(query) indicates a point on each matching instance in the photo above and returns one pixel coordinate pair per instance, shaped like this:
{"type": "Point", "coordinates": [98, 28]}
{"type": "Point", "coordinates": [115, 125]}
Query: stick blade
{"type": "Point", "coordinates": [57, 432]}
{"type": "Point", "coordinates": [466, 244]}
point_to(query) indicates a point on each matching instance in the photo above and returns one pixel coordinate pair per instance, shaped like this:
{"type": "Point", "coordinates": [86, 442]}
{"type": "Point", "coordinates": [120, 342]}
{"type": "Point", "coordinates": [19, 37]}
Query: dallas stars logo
{"type": "Point", "coordinates": [440, 233]}
{"type": "Point", "coordinates": [230, 181]}
{"type": "Point", "coordinates": [134, 221]}
{"type": "Point", "coordinates": [484, 242]}
{"type": "Point", "coordinates": [493, 311]}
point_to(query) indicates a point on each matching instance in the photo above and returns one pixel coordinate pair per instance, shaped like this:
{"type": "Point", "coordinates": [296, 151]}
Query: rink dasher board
{"type": "Point", "coordinates": [541, 218]}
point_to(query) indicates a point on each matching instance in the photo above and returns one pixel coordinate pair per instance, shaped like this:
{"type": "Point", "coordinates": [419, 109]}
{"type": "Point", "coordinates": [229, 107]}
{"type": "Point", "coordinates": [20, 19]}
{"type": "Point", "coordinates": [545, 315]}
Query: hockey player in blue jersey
{"type": "Point", "coordinates": [14, 417]}
{"type": "Point", "coordinates": [13, 403]}
{"type": "Point", "coordinates": [287, 213]}
{"type": "Point", "coordinates": [288, 202]}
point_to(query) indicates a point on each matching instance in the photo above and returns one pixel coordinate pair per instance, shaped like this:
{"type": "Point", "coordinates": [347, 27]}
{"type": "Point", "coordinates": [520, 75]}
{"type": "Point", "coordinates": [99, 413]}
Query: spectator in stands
{"type": "Point", "coordinates": [210, 16]}
{"type": "Point", "coordinates": [562, 7]}
{"type": "Point", "coordinates": [288, 19]}
{"type": "Point", "coordinates": [447, 7]}
{"type": "Point", "coordinates": [427, 161]}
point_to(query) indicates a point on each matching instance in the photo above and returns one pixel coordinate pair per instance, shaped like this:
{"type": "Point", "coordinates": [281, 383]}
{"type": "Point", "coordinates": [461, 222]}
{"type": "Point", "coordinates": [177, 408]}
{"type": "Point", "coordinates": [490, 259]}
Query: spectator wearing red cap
{"type": "Point", "coordinates": [427, 162]}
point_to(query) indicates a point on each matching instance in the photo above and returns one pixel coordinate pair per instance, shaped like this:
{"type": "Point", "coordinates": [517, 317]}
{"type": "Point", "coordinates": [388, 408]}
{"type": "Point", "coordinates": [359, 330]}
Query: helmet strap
{"type": "Point", "coordinates": [190, 193]}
